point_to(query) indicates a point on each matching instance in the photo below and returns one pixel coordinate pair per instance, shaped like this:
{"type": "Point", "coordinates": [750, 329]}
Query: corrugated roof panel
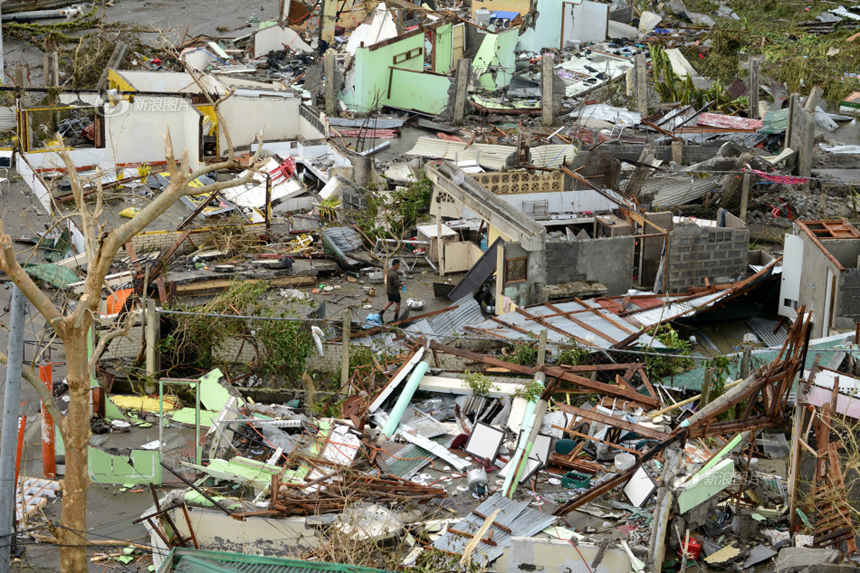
{"type": "Point", "coordinates": [467, 313]}
{"type": "Point", "coordinates": [489, 156]}
{"type": "Point", "coordinates": [775, 122]}
{"type": "Point", "coordinates": [411, 458]}
{"type": "Point", "coordinates": [678, 189]}
{"type": "Point", "coordinates": [674, 310]}
{"type": "Point", "coordinates": [203, 561]}
{"type": "Point", "coordinates": [763, 329]}
{"type": "Point", "coordinates": [602, 321]}
{"type": "Point", "coordinates": [517, 516]}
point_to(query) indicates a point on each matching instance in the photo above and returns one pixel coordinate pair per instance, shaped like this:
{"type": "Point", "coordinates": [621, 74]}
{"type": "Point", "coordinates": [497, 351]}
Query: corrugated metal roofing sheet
{"type": "Point", "coordinates": [182, 560]}
{"type": "Point", "coordinates": [678, 189]}
{"type": "Point", "coordinates": [489, 156]}
{"type": "Point", "coordinates": [516, 516]}
{"type": "Point", "coordinates": [613, 328]}
{"type": "Point", "coordinates": [467, 313]}
{"type": "Point", "coordinates": [411, 458]}
{"type": "Point", "coordinates": [775, 122]}
{"type": "Point", "coordinates": [674, 310]}
{"type": "Point", "coordinates": [763, 328]}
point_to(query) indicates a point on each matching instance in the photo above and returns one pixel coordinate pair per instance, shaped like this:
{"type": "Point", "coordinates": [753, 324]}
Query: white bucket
{"type": "Point", "coordinates": [624, 461]}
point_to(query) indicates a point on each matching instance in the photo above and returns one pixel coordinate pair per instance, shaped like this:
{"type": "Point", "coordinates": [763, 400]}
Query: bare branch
{"type": "Point", "coordinates": [9, 265]}
{"type": "Point", "coordinates": [104, 340]}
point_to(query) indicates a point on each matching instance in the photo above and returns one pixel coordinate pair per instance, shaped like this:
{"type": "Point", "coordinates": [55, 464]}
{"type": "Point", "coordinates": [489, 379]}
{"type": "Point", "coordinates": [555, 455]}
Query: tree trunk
{"type": "Point", "coordinates": [72, 533]}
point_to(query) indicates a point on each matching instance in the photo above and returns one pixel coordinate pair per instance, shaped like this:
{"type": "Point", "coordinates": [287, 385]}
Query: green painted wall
{"type": "Point", "coordinates": [444, 49]}
{"type": "Point", "coordinates": [421, 92]}
{"type": "Point", "coordinates": [107, 468]}
{"type": "Point", "coordinates": [372, 71]}
{"type": "Point", "coordinates": [497, 50]}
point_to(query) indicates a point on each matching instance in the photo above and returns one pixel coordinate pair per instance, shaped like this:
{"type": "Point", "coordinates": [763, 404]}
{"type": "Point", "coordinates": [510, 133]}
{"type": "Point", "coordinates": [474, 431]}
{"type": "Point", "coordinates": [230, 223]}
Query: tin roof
{"type": "Point", "coordinates": [585, 320]}
{"type": "Point", "coordinates": [183, 560]}
{"type": "Point", "coordinates": [516, 517]}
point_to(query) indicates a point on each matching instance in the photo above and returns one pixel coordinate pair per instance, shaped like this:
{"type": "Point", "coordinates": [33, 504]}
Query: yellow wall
{"type": "Point", "coordinates": [521, 6]}
{"type": "Point", "coordinates": [493, 234]}
{"type": "Point", "coordinates": [117, 82]}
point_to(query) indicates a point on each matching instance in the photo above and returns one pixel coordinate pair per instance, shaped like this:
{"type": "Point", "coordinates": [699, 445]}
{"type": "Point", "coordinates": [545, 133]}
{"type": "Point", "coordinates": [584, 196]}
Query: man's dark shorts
{"type": "Point", "coordinates": [394, 297]}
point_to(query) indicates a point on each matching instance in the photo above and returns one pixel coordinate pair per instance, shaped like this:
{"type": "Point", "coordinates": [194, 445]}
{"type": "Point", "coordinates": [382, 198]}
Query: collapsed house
{"type": "Point", "coordinates": [623, 332]}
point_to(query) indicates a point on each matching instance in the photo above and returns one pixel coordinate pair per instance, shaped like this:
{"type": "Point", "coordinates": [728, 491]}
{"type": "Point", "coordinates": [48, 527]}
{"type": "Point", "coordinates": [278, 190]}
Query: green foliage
{"type": "Point", "coordinates": [673, 89]}
{"type": "Point", "coordinates": [393, 214]}
{"type": "Point", "coordinates": [720, 364]}
{"type": "Point", "coordinates": [522, 353]}
{"type": "Point", "coordinates": [571, 354]}
{"type": "Point", "coordinates": [479, 384]}
{"type": "Point", "coordinates": [673, 360]}
{"type": "Point", "coordinates": [790, 54]}
{"type": "Point", "coordinates": [530, 391]}
{"type": "Point", "coordinates": [283, 346]}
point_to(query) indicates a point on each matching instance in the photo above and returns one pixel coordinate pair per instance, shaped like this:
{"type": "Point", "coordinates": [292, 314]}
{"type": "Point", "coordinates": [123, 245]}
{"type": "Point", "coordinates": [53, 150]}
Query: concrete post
{"type": "Point", "coordinates": [546, 90]}
{"type": "Point", "coordinates": [344, 353]}
{"type": "Point", "coordinates": [440, 247]}
{"type": "Point", "coordinates": [362, 169]}
{"type": "Point", "coordinates": [20, 77]}
{"type": "Point", "coordinates": [755, 63]}
{"type": "Point", "coordinates": [330, 70]}
{"type": "Point", "coordinates": [541, 357]}
{"type": "Point", "coordinates": [153, 335]}
{"type": "Point", "coordinates": [678, 152]}
{"type": "Point", "coordinates": [745, 196]}
{"type": "Point", "coordinates": [9, 435]}
{"type": "Point", "coordinates": [55, 69]}
{"type": "Point", "coordinates": [706, 387]}
{"type": "Point", "coordinates": [814, 98]}
{"type": "Point", "coordinates": [500, 277]}
{"type": "Point", "coordinates": [641, 83]}
{"type": "Point", "coordinates": [793, 106]}
{"type": "Point", "coordinates": [464, 67]}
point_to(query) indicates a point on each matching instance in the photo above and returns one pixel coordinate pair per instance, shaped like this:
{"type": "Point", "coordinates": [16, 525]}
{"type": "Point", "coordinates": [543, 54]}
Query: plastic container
{"type": "Point", "coordinates": [694, 548]}
{"type": "Point", "coordinates": [574, 480]}
{"type": "Point", "coordinates": [624, 461]}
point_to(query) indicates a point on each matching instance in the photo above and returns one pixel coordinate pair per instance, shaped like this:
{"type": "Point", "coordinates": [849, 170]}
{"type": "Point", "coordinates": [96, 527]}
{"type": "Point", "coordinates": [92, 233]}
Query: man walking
{"type": "Point", "coordinates": [392, 283]}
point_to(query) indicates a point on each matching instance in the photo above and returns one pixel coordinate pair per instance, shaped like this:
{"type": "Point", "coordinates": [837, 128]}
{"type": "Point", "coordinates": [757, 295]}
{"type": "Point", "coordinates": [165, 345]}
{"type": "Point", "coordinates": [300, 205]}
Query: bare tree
{"type": "Point", "coordinates": [72, 327]}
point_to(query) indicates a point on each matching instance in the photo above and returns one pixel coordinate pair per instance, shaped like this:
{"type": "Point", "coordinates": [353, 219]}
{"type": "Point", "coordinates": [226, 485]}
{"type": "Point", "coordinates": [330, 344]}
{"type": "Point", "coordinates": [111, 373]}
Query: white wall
{"type": "Point", "coordinates": [246, 117]}
{"type": "Point", "coordinates": [137, 136]}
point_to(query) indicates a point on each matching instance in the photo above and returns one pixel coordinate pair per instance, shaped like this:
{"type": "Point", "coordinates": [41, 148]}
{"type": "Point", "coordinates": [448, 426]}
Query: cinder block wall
{"type": "Point", "coordinates": [561, 258]}
{"type": "Point", "coordinates": [607, 260]}
{"type": "Point", "coordinates": [848, 313]}
{"type": "Point", "coordinates": [697, 253]}
{"type": "Point", "coordinates": [125, 346]}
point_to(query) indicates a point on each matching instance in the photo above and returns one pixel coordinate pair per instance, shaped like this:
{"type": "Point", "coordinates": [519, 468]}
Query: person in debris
{"type": "Point", "coordinates": [392, 283]}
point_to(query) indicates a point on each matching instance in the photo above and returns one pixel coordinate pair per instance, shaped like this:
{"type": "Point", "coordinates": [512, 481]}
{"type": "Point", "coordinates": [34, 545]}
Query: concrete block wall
{"type": "Point", "coordinates": [561, 257]}
{"type": "Point", "coordinates": [125, 346]}
{"type": "Point", "coordinates": [697, 253]}
{"type": "Point", "coordinates": [848, 311]}
{"type": "Point", "coordinates": [607, 260]}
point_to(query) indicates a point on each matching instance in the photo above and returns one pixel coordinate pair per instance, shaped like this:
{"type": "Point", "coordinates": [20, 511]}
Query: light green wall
{"type": "Point", "coordinates": [372, 71]}
{"type": "Point", "coordinates": [420, 92]}
{"type": "Point", "coordinates": [497, 50]}
{"type": "Point", "coordinates": [444, 49]}
{"type": "Point", "coordinates": [106, 468]}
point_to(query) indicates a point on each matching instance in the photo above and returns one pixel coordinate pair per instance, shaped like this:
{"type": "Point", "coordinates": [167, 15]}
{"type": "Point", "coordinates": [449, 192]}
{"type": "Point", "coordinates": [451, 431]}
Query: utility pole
{"type": "Point", "coordinates": [8, 438]}
{"type": "Point", "coordinates": [2, 61]}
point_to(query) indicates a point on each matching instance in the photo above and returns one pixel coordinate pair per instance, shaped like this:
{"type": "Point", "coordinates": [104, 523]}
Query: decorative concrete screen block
{"type": "Point", "coordinates": [512, 182]}
{"type": "Point", "coordinates": [705, 485]}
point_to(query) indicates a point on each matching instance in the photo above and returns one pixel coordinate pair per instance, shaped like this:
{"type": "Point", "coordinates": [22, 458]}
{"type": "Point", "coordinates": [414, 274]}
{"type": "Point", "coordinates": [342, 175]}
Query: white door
{"type": "Point", "coordinates": [792, 267]}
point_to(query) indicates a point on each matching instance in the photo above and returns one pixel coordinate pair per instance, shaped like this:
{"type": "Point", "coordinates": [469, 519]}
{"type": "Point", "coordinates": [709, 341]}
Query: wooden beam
{"type": "Point", "coordinates": [614, 422]}
{"type": "Point", "coordinates": [584, 325]}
